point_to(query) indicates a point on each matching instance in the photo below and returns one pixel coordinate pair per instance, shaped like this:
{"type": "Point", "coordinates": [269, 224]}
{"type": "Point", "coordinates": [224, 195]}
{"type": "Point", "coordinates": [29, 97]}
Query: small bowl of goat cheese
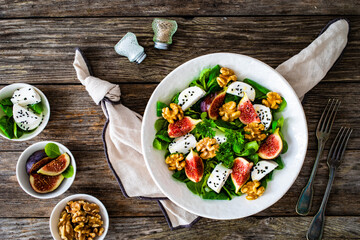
{"type": "Point", "coordinates": [24, 112]}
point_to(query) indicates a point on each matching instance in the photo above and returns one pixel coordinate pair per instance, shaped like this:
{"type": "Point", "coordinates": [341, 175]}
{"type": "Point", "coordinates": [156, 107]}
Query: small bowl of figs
{"type": "Point", "coordinates": [46, 169]}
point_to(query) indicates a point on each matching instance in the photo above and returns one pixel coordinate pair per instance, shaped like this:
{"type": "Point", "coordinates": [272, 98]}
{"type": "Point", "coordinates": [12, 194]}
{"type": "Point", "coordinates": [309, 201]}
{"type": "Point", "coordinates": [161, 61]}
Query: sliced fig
{"type": "Point", "coordinates": [57, 166]}
{"type": "Point", "coordinates": [182, 127]}
{"type": "Point", "coordinates": [205, 104]}
{"type": "Point", "coordinates": [247, 111]}
{"type": "Point", "coordinates": [213, 111]}
{"type": "Point", "coordinates": [44, 184]}
{"type": "Point", "coordinates": [194, 166]}
{"type": "Point", "coordinates": [240, 172]}
{"type": "Point", "coordinates": [35, 167]}
{"type": "Point", "coordinates": [272, 146]}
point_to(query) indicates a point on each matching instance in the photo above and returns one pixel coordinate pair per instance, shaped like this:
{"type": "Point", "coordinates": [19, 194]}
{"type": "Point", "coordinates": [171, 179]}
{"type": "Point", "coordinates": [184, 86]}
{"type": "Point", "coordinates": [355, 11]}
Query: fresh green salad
{"type": "Point", "coordinates": [222, 136]}
{"type": "Point", "coordinates": [22, 112]}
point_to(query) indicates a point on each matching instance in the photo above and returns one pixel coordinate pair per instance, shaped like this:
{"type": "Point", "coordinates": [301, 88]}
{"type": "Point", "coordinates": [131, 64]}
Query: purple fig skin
{"type": "Point", "coordinates": [205, 105]}
{"type": "Point", "coordinates": [34, 158]}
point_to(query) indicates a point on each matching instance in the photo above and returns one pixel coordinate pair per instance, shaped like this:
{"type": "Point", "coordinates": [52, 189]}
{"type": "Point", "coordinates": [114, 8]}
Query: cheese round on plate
{"type": "Point", "coordinates": [262, 168]}
{"type": "Point", "coordinates": [25, 118]}
{"type": "Point", "coordinates": [264, 114]}
{"type": "Point", "coordinates": [183, 144]}
{"type": "Point", "coordinates": [25, 96]}
{"type": "Point", "coordinates": [238, 88]}
{"type": "Point", "coordinates": [190, 96]}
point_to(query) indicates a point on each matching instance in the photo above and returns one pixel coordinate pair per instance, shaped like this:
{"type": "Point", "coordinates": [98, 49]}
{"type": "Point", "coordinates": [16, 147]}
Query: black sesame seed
{"type": "Point", "coordinates": [266, 167]}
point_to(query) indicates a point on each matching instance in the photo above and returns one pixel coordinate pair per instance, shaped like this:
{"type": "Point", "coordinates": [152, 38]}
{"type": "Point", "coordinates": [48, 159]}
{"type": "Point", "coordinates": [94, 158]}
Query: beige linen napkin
{"type": "Point", "coordinates": [122, 130]}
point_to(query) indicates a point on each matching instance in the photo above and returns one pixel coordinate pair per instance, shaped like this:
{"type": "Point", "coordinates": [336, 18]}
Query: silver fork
{"type": "Point", "coordinates": [323, 130]}
{"type": "Point", "coordinates": [335, 156]}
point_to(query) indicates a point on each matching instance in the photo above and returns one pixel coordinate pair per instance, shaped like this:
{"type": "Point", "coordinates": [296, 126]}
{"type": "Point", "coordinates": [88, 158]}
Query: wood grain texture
{"type": "Point", "coordinates": [77, 121]}
{"type": "Point", "coordinates": [66, 8]}
{"type": "Point", "coordinates": [260, 228]}
{"type": "Point", "coordinates": [40, 51]}
{"type": "Point", "coordinates": [95, 178]}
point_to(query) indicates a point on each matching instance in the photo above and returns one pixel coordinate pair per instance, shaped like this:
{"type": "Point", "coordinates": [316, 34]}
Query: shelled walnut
{"type": "Point", "coordinates": [229, 112]}
{"type": "Point", "coordinates": [273, 100]}
{"type": "Point", "coordinates": [254, 131]}
{"type": "Point", "coordinates": [225, 77]}
{"type": "Point", "coordinates": [253, 190]}
{"type": "Point", "coordinates": [81, 221]}
{"type": "Point", "coordinates": [173, 113]}
{"type": "Point", "coordinates": [207, 147]}
{"type": "Point", "coordinates": [175, 161]}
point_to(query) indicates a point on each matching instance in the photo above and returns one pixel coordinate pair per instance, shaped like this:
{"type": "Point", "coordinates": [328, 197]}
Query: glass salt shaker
{"type": "Point", "coordinates": [129, 47]}
{"type": "Point", "coordinates": [163, 31]}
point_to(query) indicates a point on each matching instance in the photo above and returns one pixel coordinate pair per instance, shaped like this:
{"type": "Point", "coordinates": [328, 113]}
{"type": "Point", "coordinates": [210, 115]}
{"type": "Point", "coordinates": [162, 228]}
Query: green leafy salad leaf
{"type": "Point", "coordinates": [207, 79]}
{"type": "Point", "coordinates": [52, 150]}
{"type": "Point", "coordinates": [37, 108]}
{"type": "Point", "coordinates": [7, 106]}
{"type": "Point", "coordinates": [69, 172]}
{"type": "Point", "coordinates": [7, 126]}
{"type": "Point", "coordinates": [159, 107]}
{"type": "Point", "coordinates": [205, 128]}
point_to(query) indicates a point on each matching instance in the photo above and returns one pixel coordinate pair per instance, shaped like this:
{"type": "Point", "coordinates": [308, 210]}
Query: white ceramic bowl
{"type": "Point", "coordinates": [23, 177]}
{"type": "Point", "coordinates": [295, 132]}
{"type": "Point", "coordinates": [8, 92]}
{"type": "Point", "coordinates": [55, 214]}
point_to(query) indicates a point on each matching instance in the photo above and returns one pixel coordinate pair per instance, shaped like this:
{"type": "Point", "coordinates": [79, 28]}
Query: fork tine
{"type": "Point", "coordinates": [344, 143]}
{"type": "Point", "coordinates": [335, 144]}
{"type": "Point", "coordinates": [332, 116]}
{"type": "Point", "coordinates": [326, 119]}
{"type": "Point", "coordinates": [322, 116]}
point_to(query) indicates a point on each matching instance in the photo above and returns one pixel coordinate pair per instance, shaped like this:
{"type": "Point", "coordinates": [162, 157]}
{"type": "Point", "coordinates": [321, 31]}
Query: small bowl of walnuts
{"type": "Point", "coordinates": [79, 217]}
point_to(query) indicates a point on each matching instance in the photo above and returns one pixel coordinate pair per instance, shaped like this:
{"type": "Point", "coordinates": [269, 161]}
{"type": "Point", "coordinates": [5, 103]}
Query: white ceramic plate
{"type": "Point", "coordinates": [55, 214]}
{"type": "Point", "coordinates": [8, 92]}
{"type": "Point", "coordinates": [295, 132]}
{"type": "Point", "coordinates": [24, 178]}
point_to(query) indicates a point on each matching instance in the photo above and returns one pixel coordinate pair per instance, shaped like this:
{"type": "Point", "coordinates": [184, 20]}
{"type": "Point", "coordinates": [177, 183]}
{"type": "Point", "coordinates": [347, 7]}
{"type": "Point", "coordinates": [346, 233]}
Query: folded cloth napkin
{"type": "Point", "coordinates": [122, 137]}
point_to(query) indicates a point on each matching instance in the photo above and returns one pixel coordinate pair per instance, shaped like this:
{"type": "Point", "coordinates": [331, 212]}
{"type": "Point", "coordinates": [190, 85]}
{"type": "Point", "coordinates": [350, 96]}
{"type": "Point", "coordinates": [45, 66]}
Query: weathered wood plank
{"type": "Point", "coordinates": [77, 122]}
{"type": "Point", "coordinates": [156, 228]}
{"type": "Point", "coordinates": [94, 177]}
{"type": "Point", "coordinates": [42, 50]}
{"type": "Point", "coordinates": [65, 8]}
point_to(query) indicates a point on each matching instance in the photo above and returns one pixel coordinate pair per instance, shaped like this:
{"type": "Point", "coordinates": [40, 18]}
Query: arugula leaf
{"type": "Point", "coordinates": [52, 150]}
{"type": "Point", "coordinates": [203, 76]}
{"type": "Point", "coordinates": [254, 158]}
{"type": "Point", "coordinates": [203, 115]}
{"type": "Point", "coordinates": [38, 107]}
{"type": "Point", "coordinates": [196, 83]}
{"type": "Point", "coordinates": [69, 172]}
{"type": "Point", "coordinates": [277, 124]}
{"type": "Point", "coordinates": [159, 107]}
{"type": "Point", "coordinates": [6, 126]}
{"type": "Point", "coordinates": [206, 128]}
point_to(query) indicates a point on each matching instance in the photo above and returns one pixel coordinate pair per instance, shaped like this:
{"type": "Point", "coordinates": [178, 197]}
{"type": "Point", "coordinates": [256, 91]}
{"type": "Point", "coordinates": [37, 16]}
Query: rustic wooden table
{"type": "Point", "coordinates": [37, 41]}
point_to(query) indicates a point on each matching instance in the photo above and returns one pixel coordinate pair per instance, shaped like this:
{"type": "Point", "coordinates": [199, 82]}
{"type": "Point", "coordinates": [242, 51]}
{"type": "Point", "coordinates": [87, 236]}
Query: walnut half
{"type": "Point", "coordinates": [225, 77]}
{"type": "Point", "coordinates": [253, 131]}
{"type": "Point", "coordinates": [253, 190]}
{"type": "Point", "coordinates": [173, 113]}
{"type": "Point", "coordinates": [207, 147]}
{"type": "Point", "coordinates": [272, 100]}
{"type": "Point", "coordinates": [229, 112]}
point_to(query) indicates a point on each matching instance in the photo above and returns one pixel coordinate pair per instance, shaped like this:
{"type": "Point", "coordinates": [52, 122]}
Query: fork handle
{"type": "Point", "coordinates": [303, 205]}
{"type": "Point", "coordinates": [316, 227]}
